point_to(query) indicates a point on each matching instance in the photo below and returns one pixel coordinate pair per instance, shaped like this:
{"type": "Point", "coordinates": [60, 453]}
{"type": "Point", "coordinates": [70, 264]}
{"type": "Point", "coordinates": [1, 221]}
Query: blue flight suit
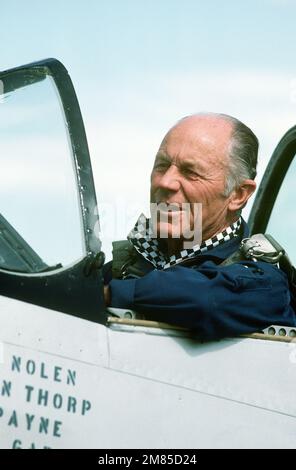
{"type": "Point", "coordinates": [216, 301]}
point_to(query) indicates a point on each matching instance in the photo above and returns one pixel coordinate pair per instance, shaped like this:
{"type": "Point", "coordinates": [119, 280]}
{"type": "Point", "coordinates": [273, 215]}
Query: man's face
{"type": "Point", "coordinates": [190, 167]}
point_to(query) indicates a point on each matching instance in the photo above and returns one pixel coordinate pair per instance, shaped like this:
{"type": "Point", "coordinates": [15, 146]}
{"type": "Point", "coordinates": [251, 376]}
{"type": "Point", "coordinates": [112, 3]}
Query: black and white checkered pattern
{"type": "Point", "coordinates": [142, 238]}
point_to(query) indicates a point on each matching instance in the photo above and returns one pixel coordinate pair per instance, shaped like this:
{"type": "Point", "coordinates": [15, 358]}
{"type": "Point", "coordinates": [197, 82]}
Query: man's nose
{"type": "Point", "coordinates": [170, 180]}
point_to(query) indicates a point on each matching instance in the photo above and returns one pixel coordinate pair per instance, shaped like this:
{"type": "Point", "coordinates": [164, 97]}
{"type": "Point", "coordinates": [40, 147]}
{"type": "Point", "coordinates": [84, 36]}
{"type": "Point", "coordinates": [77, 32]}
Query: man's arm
{"type": "Point", "coordinates": [217, 301]}
{"type": "Point", "coordinates": [107, 296]}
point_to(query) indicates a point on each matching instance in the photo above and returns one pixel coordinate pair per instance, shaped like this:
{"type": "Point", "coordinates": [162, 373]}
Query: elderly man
{"type": "Point", "coordinates": [205, 161]}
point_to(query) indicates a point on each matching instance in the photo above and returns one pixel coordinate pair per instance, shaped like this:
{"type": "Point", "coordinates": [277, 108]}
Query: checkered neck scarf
{"type": "Point", "coordinates": [141, 237]}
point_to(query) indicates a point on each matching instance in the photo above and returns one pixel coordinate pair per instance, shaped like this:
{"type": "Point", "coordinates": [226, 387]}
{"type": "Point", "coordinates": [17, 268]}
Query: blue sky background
{"type": "Point", "coordinates": [138, 66]}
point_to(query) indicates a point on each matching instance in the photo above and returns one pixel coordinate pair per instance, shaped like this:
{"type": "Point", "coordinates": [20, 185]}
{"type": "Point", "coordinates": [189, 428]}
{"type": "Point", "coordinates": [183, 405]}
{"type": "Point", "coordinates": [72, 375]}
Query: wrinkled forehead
{"type": "Point", "coordinates": [199, 136]}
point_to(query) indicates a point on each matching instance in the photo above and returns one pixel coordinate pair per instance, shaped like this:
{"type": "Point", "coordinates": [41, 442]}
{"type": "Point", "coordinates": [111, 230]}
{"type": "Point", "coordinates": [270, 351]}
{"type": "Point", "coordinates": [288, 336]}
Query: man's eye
{"type": "Point", "coordinates": [190, 173]}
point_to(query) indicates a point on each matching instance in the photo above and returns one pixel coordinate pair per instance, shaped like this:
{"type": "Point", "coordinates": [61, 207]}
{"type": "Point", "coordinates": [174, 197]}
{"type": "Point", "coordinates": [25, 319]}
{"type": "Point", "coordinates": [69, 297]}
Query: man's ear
{"type": "Point", "coordinates": [240, 195]}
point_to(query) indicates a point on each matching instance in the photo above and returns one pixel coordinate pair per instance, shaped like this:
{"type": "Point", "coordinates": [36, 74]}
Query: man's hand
{"type": "Point", "coordinates": [107, 296]}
